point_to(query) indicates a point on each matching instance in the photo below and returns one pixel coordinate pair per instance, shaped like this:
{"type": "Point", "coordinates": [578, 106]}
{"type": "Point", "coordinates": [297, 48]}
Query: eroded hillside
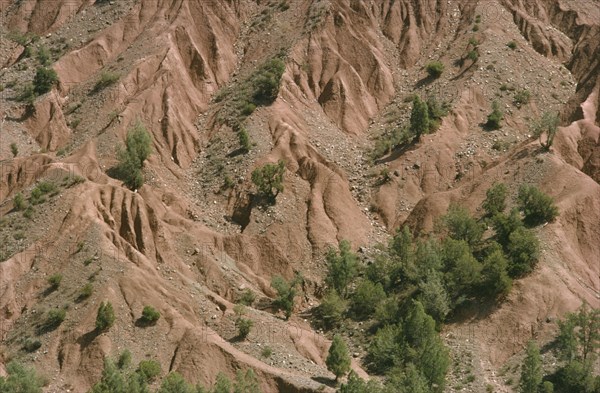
{"type": "Point", "coordinates": [195, 236]}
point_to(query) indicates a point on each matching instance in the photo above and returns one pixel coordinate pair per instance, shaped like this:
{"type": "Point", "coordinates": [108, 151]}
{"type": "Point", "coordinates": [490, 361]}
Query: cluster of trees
{"type": "Point", "coordinates": [576, 346]}
{"type": "Point", "coordinates": [416, 283]}
{"type": "Point", "coordinates": [138, 146]}
{"type": "Point", "coordinates": [120, 377]}
{"type": "Point", "coordinates": [20, 379]}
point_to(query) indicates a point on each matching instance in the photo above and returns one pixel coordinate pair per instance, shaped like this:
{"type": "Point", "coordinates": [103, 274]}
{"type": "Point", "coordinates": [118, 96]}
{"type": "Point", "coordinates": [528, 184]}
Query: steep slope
{"type": "Point", "coordinates": [187, 245]}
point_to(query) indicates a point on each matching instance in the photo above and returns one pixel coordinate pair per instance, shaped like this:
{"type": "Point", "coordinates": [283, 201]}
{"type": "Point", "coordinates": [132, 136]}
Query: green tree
{"type": "Point", "coordinates": [384, 350]}
{"type": "Point", "coordinates": [462, 270]}
{"type": "Point", "coordinates": [20, 379]}
{"type": "Point", "coordinates": [19, 201]}
{"type": "Point", "coordinates": [150, 315]}
{"type": "Point", "coordinates": [269, 179]}
{"type": "Point", "coordinates": [548, 125]}
{"type": "Point", "coordinates": [138, 147]}
{"type": "Point", "coordinates": [505, 225]}
{"type": "Point", "coordinates": [112, 381]}
{"type": "Point", "coordinates": [435, 69]}
{"type": "Point", "coordinates": [523, 252]}
{"type": "Point", "coordinates": [244, 326]}
{"type": "Point", "coordinates": [494, 118]}
{"type": "Point", "coordinates": [149, 369]}
{"type": "Point", "coordinates": [462, 226]}
{"type": "Point", "coordinates": [175, 383]}
{"type": "Point", "coordinates": [105, 317]}
{"type": "Point", "coordinates": [286, 292]}
{"type": "Point", "coordinates": [365, 299]}
{"type": "Point", "coordinates": [338, 358]}
{"type": "Point", "coordinates": [332, 309]}
{"type": "Point", "coordinates": [495, 279]}
{"type": "Point", "coordinates": [342, 268]}
{"type": "Point", "coordinates": [246, 382]}
{"type": "Point", "coordinates": [419, 117]}
{"type": "Point", "coordinates": [531, 370]}
{"type": "Point", "coordinates": [356, 384]}
{"type": "Point", "coordinates": [402, 248]}
{"type": "Point", "coordinates": [425, 348]}
{"type": "Point", "coordinates": [537, 206]}
{"type": "Point", "coordinates": [222, 385]}
{"type": "Point", "coordinates": [407, 380]}
{"type": "Point", "coordinates": [44, 80]}
{"type": "Point", "coordinates": [495, 201]}
{"type": "Point", "coordinates": [434, 297]}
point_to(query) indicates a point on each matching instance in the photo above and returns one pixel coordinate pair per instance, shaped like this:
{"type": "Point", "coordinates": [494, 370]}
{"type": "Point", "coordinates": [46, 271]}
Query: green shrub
{"type": "Point", "coordinates": [265, 81]}
{"type": "Point", "coordinates": [28, 213]}
{"type": "Point", "coordinates": [149, 369]}
{"type": "Point", "coordinates": [266, 352]}
{"type": "Point", "coordinates": [55, 280]}
{"type": "Point", "coordinates": [14, 149]}
{"type": "Point", "coordinates": [244, 326]}
{"type": "Point", "coordinates": [435, 69]}
{"type": "Point", "coordinates": [150, 315]}
{"type": "Point", "coordinates": [175, 383]}
{"type": "Point", "coordinates": [105, 317]}
{"type": "Point", "coordinates": [476, 27]}
{"type": "Point", "coordinates": [385, 349]}
{"type": "Point", "coordinates": [522, 97]}
{"type": "Point", "coordinates": [222, 385]}
{"type": "Point", "coordinates": [434, 297]}
{"type": "Point", "coordinates": [495, 201]}
{"type": "Point", "coordinates": [30, 346]}
{"type": "Point", "coordinates": [473, 41]}
{"type": "Point", "coordinates": [473, 55]}
{"type": "Point", "coordinates": [536, 206]}
{"type": "Point", "coordinates": [247, 297]}
{"type": "Point", "coordinates": [244, 139]}
{"type": "Point", "coordinates": [44, 80]}
{"type": "Point", "coordinates": [436, 112]}
{"type": "Point", "coordinates": [494, 118]}
{"type": "Point", "coordinates": [54, 318]}
{"type": "Point", "coordinates": [505, 225]}
{"type": "Point", "coordinates": [138, 146]}
{"type": "Point", "coordinates": [246, 382]}
{"type": "Point", "coordinates": [43, 55]}
{"type": "Point", "coordinates": [512, 45]}
{"type": "Point", "coordinates": [20, 379]}
{"type": "Point", "coordinates": [269, 180]}
{"type": "Point", "coordinates": [124, 359]}
{"type": "Point", "coordinates": [248, 109]}
{"type": "Point", "coordinates": [106, 79]}
{"type": "Point", "coordinates": [19, 201]}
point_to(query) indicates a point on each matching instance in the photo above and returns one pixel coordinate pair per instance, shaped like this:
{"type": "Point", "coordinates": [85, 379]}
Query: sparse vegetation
{"type": "Point", "coordinates": [268, 179]}
{"type": "Point", "coordinates": [512, 45]}
{"type": "Point", "coordinates": [31, 346]}
{"type": "Point", "coordinates": [86, 291]}
{"type": "Point", "coordinates": [473, 55]}
{"type": "Point", "coordinates": [106, 79]}
{"type": "Point", "coordinates": [435, 69]}
{"type": "Point", "coordinates": [247, 297]}
{"type": "Point", "coordinates": [266, 352]}
{"type": "Point", "coordinates": [43, 55]}
{"type": "Point", "coordinates": [54, 318]}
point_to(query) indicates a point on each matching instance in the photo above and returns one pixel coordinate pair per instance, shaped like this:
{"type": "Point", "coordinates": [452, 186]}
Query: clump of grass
{"type": "Point", "coordinates": [512, 45]}
{"type": "Point", "coordinates": [106, 79]}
